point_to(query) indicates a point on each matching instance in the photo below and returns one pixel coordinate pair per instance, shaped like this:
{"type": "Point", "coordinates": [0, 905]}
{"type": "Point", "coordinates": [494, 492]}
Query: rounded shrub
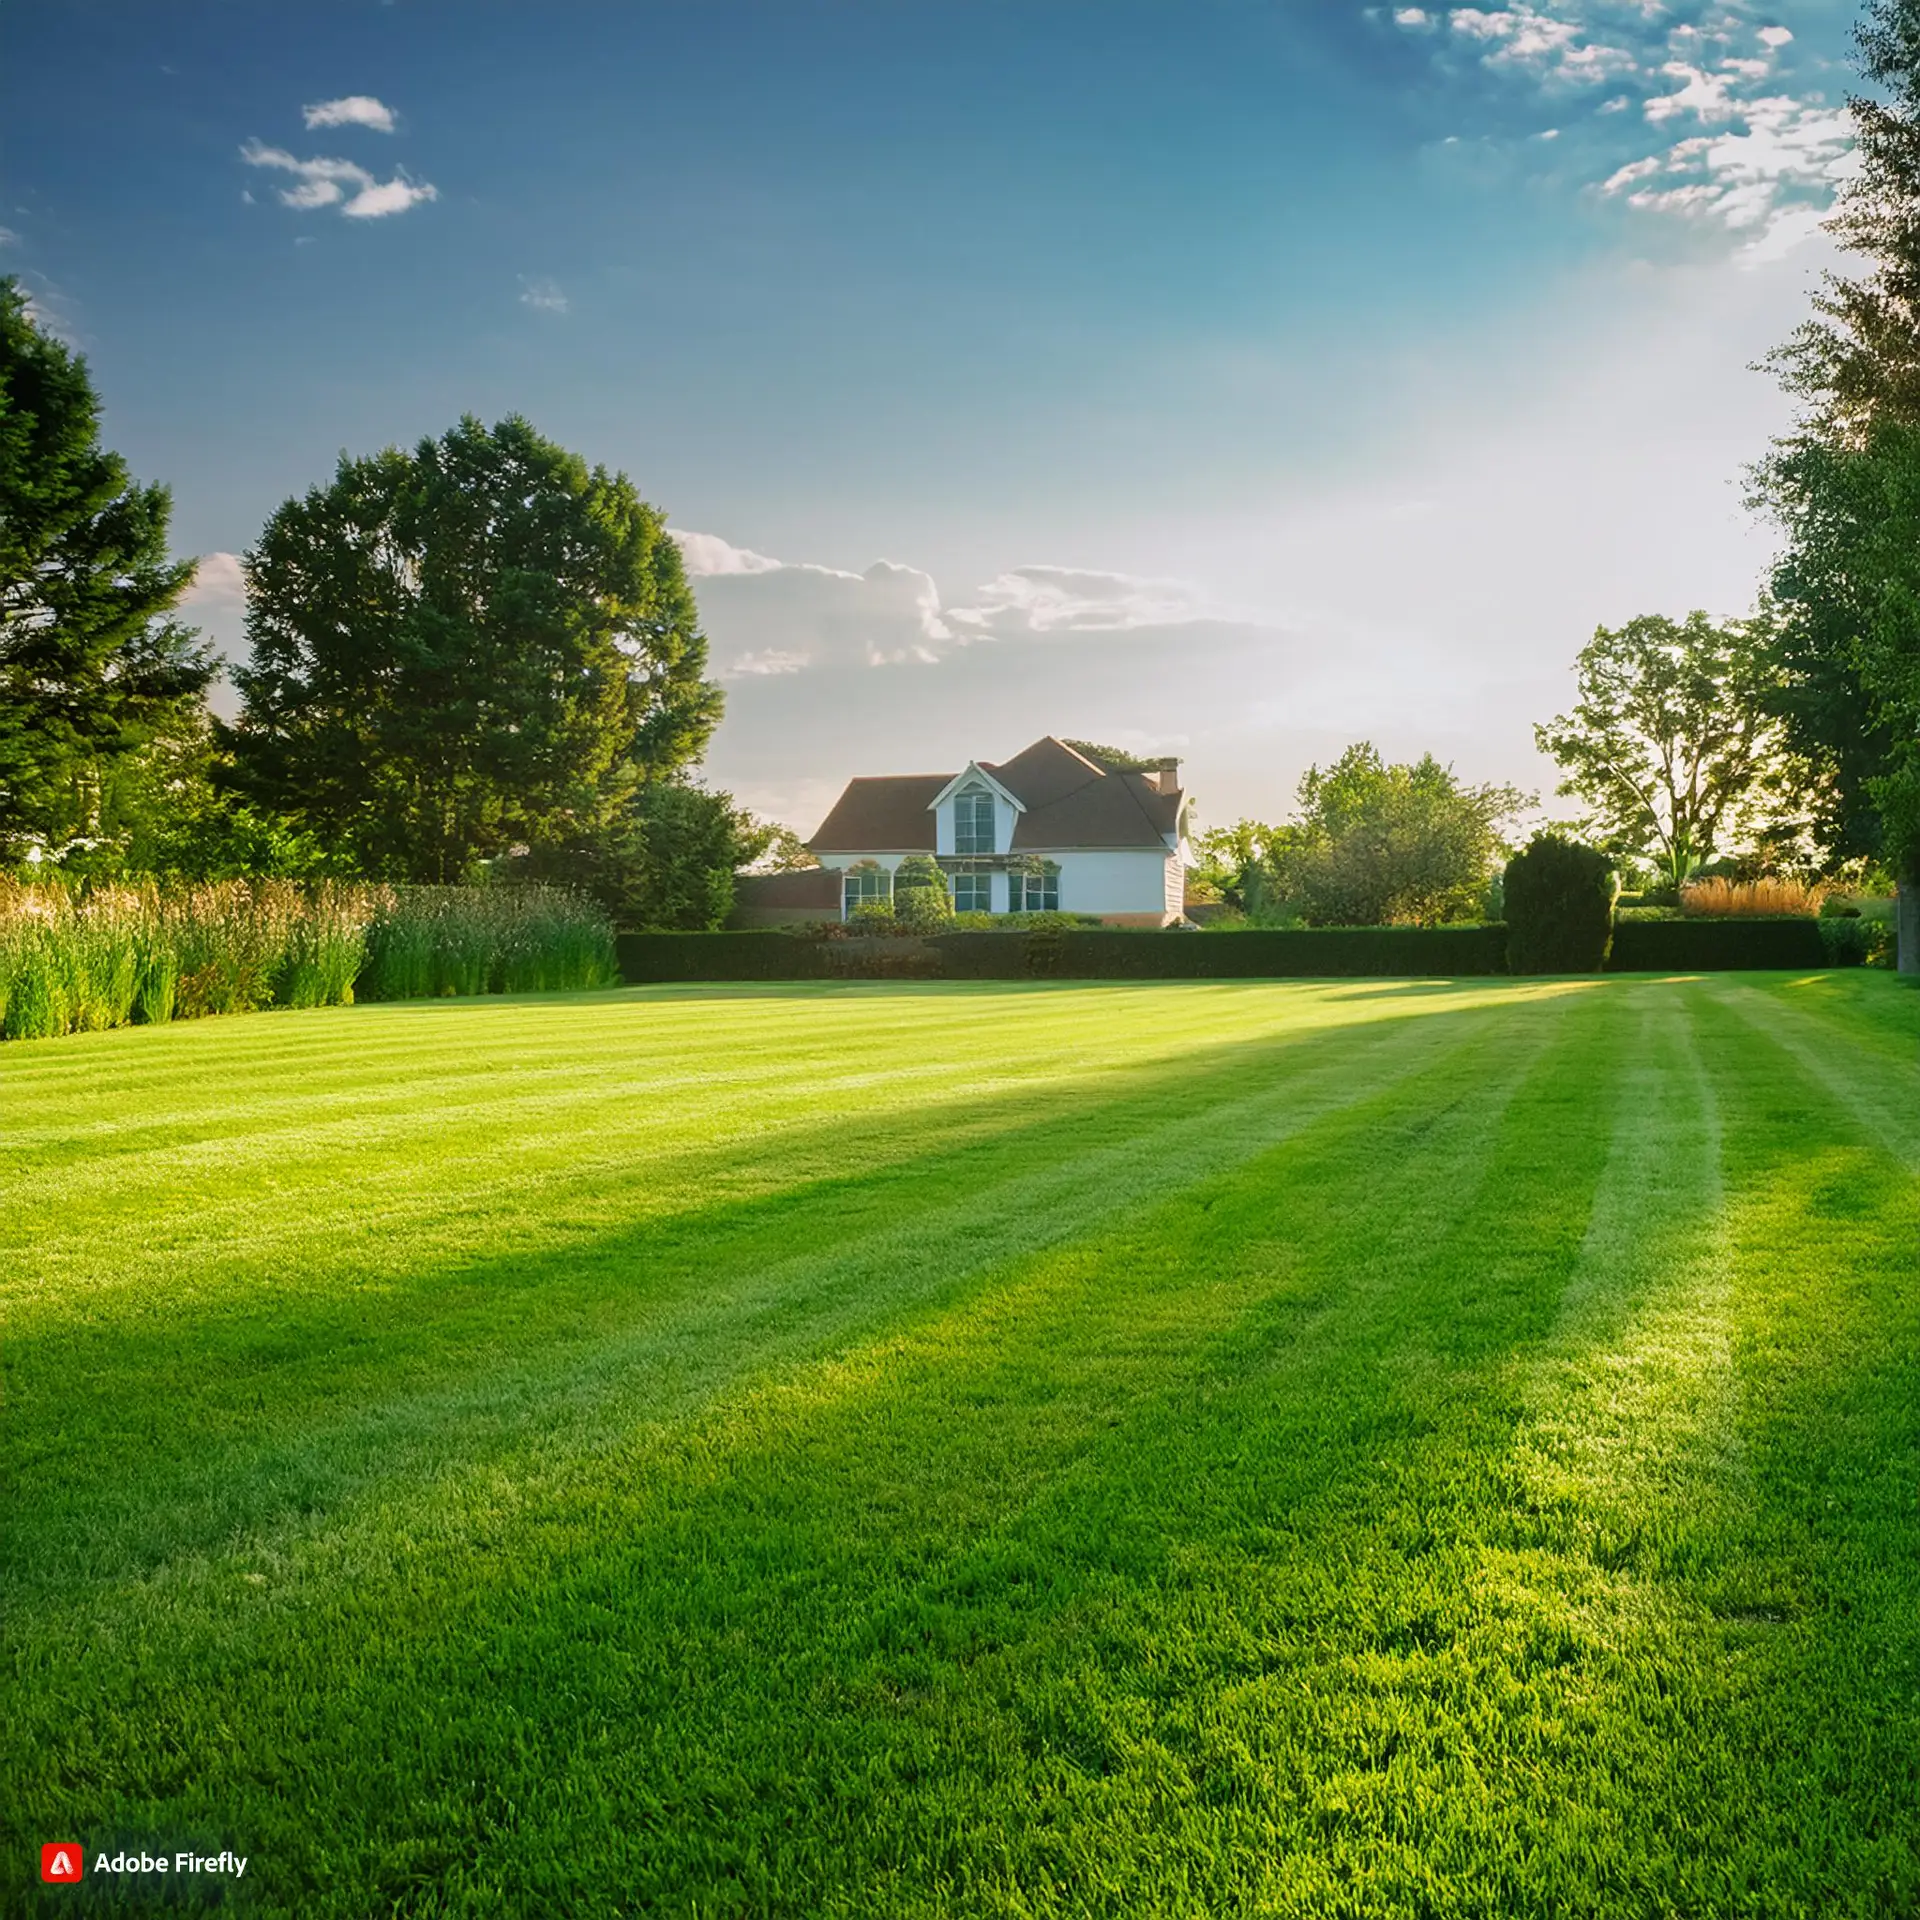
{"type": "Point", "coordinates": [921, 902]}
{"type": "Point", "coordinates": [1559, 900]}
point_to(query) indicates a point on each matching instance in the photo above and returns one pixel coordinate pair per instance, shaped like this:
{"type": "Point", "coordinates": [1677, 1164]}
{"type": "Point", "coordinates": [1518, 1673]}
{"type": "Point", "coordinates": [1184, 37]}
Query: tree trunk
{"type": "Point", "coordinates": [1906, 920]}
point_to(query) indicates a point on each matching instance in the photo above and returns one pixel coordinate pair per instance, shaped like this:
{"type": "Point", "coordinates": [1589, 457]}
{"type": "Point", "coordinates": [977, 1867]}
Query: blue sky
{"type": "Point", "coordinates": [1229, 380]}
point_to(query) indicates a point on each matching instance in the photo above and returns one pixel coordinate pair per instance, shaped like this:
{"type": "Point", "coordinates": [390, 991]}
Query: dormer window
{"type": "Point", "coordinates": [973, 822]}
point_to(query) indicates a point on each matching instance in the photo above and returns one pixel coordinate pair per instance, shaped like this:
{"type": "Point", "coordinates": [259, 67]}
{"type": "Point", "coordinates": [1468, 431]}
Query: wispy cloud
{"type": "Point", "coordinates": [1547, 47]}
{"type": "Point", "coordinates": [327, 182]}
{"type": "Point", "coordinates": [1075, 600]}
{"type": "Point", "coordinates": [49, 309]}
{"type": "Point", "coordinates": [219, 580]}
{"type": "Point", "coordinates": [352, 110]}
{"type": "Point", "coordinates": [544, 296]}
{"type": "Point", "coordinates": [771, 616]}
{"type": "Point", "coordinates": [1722, 142]}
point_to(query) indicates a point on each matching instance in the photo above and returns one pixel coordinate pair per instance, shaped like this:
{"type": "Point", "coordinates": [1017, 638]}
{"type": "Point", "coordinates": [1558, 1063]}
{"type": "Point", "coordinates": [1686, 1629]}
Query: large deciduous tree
{"type": "Point", "coordinates": [91, 667]}
{"type": "Point", "coordinates": [476, 645]}
{"type": "Point", "coordinates": [1845, 484]}
{"type": "Point", "coordinates": [1380, 845]}
{"type": "Point", "coordinates": [1674, 742]}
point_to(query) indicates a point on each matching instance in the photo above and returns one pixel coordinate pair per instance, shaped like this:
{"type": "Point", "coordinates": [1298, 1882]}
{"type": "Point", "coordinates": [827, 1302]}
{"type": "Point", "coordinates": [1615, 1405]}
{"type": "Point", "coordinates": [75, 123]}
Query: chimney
{"type": "Point", "coordinates": [1165, 775]}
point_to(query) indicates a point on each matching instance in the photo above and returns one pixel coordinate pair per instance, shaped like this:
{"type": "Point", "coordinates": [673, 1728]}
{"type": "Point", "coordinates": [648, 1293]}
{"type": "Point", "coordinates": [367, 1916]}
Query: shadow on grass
{"type": "Point", "coordinates": [210, 1413]}
{"type": "Point", "coordinates": [806, 1598]}
{"type": "Point", "coordinates": [1173, 1559]}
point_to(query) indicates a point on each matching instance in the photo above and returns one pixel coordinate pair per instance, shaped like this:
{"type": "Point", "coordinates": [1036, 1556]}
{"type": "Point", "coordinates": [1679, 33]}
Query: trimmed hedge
{"type": "Point", "coordinates": [1717, 946]}
{"type": "Point", "coordinates": [1063, 953]}
{"type": "Point", "coordinates": [762, 954]}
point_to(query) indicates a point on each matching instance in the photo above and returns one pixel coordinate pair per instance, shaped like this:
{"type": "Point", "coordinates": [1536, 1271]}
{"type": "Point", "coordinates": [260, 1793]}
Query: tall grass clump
{"type": "Point", "coordinates": [432, 941]}
{"type": "Point", "coordinates": [326, 946]}
{"type": "Point", "coordinates": [76, 958]}
{"type": "Point", "coordinates": [1721, 899]}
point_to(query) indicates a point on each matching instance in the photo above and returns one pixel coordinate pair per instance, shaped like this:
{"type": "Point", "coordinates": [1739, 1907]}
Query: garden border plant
{"type": "Point", "coordinates": [78, 958]}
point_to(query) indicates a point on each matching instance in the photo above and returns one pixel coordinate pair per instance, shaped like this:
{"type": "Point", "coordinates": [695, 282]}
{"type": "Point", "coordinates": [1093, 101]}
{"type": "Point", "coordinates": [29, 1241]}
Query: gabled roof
{"type": "Point", "coordinates": [1069, 802]}
{"type": "Point", "coordinates": [889, 814]}
{"type": "Point", "coordinates": [986, 779]}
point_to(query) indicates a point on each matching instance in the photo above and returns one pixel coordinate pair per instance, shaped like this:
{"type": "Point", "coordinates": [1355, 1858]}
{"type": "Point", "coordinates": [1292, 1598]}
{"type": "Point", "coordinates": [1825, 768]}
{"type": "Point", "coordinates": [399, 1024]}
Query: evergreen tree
{"type": "Point", "coordinates": [91, 668]}
{"type": "Point", "coordinates": [1845, 485]}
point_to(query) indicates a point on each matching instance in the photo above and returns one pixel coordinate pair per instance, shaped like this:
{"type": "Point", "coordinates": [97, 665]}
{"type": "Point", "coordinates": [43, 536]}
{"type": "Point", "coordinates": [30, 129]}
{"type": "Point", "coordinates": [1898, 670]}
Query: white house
{"type": "Point", "coordinates": [1053, 829]}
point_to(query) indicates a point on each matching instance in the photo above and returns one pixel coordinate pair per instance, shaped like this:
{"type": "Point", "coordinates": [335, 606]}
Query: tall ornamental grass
{"type": "Point", "coordinates": [74, 959]}
{"type": "Point", "coordinates": [426, 941]}
{"type": "Point", "coordinates": [1737, 899]}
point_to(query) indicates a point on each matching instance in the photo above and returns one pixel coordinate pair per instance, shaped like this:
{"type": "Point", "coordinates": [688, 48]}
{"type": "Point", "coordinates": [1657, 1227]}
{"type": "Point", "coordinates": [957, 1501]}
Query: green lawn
{"type": "Point", "coordinates": [1354, 1449]}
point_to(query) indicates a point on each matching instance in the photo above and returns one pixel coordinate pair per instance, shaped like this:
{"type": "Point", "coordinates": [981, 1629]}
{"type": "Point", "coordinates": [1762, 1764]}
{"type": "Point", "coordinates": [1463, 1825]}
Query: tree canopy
{"type": "Point", "coordinates": [1674, 742]}
{"type": "Point", "coordinates": [477, 645]}
{"type": "Point", "coordinates": [1845, 484]}
{"type": "Point", "coordinates": [1381, 845]}
{"type": "Point", "coordinates": [91, 667]}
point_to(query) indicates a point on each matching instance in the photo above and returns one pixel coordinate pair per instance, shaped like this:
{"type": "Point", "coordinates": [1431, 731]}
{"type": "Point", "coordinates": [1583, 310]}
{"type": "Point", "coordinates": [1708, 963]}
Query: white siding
{"type": "Point", "coordinates": [1119, 882]}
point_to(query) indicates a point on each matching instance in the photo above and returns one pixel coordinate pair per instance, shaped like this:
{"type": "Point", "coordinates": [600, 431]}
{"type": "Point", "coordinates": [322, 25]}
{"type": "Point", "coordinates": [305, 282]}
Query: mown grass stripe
{"type": "Point", "coordinates": [1354, 1469]}
{"type": "Point", "coordinates": [723, 1299]}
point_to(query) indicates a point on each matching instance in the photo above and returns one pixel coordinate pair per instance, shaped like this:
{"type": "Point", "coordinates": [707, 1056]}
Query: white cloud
{"type": "Point", "coordinates": [8, 238]}
{"type": "Point", "coordinates": [390, 196]}
{"type": "Point", "coordinates": [327, 182]}
{"type": "Point", "coordinates": [1073, 600]}
{"type": "Point", "coordinates": [218, 581]}
{"type": "Point", "coordinates": [1736, 153]}
{"type": "Point", "coordinates": [765, 616]}
{"type": "Point", "coordinates": [773, 660]}
{"type": "Point", "coordinates": [1542, 46]}
{"type": "Point", "coordinates": [707, 553]}
{"type": "Point", "coordinates": [1770, 181]}
{"type": "Point", "coordinates": [354, 110]}
{"type": "Point", "coordinates": [1414, 19]}
{"type": "Point", "coordinates": [544, 296]}
{"type": "Point", "coordinates": [49, 310]}
{"type": "Point", "coordinates": [1706, 96]}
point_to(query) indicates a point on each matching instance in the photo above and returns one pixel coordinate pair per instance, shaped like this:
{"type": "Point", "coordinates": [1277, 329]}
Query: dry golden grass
{"type": "Point", "coordinates": [1764, 898]}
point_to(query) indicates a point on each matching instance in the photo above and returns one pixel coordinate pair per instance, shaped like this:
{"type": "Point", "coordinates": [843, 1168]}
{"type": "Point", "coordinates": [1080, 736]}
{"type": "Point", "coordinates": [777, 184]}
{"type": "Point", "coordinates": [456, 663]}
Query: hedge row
{"type": "Point", "coordinates": [1069, 954]}
{"type": "Point", "coordinates": [1676, 946]}
{"type": "Point", "coordinates": [1716, 946]}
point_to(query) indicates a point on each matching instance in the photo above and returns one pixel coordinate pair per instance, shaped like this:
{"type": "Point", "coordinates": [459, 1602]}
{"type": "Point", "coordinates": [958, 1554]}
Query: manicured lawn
{"type": "Point", "coordinates": [1358, 1449]}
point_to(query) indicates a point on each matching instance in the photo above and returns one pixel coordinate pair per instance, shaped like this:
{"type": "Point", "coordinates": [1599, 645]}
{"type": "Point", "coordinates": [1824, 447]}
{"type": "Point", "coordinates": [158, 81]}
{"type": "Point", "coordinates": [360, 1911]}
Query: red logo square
{"type": "Point", "coordinates": [61, 1860]}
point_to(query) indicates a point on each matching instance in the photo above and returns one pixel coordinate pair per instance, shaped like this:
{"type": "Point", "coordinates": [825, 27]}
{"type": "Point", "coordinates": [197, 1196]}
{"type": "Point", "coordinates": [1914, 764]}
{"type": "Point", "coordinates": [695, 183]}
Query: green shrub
{"type": "Point", "coordinates": [920, 898]}
{"type": "Point", "coordinates": [1559, 898]}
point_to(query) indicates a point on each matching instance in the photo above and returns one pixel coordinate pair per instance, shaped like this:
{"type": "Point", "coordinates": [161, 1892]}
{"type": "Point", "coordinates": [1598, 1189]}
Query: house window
{"type": "Point", "coordinates": [972, 892]}
{"type": "Point", "coordinates": [863, 883]}
{"type": "Point", "coordinates": [1034, 892]}
{"type": "Point", "coordinates": [973, 823]}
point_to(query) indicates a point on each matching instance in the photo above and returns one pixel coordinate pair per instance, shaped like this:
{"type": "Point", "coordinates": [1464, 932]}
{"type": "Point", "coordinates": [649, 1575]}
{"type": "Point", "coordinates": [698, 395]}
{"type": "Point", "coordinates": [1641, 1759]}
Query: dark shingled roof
{"type": "Point", "coordinates": [891, 814]}
{"type": "Point", "coordinates": [1070, 803]}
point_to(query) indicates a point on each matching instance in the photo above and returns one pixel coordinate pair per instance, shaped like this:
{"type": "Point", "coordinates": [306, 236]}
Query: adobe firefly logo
{"type": "Point", "coordinates": [61, 1860]}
